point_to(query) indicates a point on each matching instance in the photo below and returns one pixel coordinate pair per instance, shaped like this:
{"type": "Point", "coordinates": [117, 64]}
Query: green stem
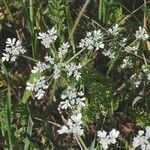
{"type": "Point", "coordinates": [9, 118]}
{"type": "Point", "coordinates": [78, 142]}
{"type": "Point", "coordinates": [11, 17]}
{"type": "Point", "coordinates": [78, 18]}
{"type": "Point", "coordinates": [75, 55]}
{"type": "Point", "coordinates": [82, 143]}
{"type": "Point", "coordinates": [29, 58]}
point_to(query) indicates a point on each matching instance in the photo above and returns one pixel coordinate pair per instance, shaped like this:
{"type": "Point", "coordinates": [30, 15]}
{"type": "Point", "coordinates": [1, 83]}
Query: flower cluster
{"type": "Point", "coordinates": [109, 53]}
{"type": "Point", "coordinates": [40, 67]}
{"type": "Point", "coordinates": [73, 125]}
{"type": "Point", "coordinates": [72, 99]}
{"type": "Point", "coordinates": [127, 63]}
{"type": "Point", "coordinates": [73, 69]}
{"type": "Point", "coordinates": [142, 140]}
{"type": "Point", "coordinates": [63, 49]}
{"type": "Point", "coordinates": [38, 86]}
{"type": "Point", "coordinates": [114, 30]}
{"type": "Point", "coordinates": [131, 49]}
{"type": "Point", "coordinates": [57, 70]}
{"type": "Point", "coordinates": [13, 50]}
{"type": "Point", "coordinates": [106, 139]}
{"type": "Point", "coordinates": [141, 34]}
{"type": "Point", "coordinates": [92, 40]}
{"type": "Point", "coordinates": [146, 70]}
{"type": "Point", "coordinates": [136, 79]}
{"type": "Point", "coordinates": [48, 37]}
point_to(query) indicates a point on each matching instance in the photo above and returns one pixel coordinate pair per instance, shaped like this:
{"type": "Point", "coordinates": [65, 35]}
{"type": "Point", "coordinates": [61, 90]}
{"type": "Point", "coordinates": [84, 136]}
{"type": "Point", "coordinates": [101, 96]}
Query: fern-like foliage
{"type": "Point", "coordinates": [101, 102]}
{"type": "Point", "coordinates": [57, 15]}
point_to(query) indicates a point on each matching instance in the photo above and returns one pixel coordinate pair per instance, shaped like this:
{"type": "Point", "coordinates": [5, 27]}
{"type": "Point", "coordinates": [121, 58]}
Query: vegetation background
{"type": "Point", "coordinates": [32, 124]}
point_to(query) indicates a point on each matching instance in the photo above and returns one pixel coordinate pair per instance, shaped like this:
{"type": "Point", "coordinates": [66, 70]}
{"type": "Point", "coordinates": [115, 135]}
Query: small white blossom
{"type": "Point", "coordinates": [127, 63]}
{"type": "Point", "coordinates": [13, 50]}
{"type": "Point", "coordinates": [73, 70]}
{"type": "Point", "coordinates": [136, 79]}
{"type": "Point", "coordinates": [114, 30]}
{"type": "Point", "coordinates": [106, 139]}
{"type": "Point", "coordinates": [48, 37]}
{"type": "Point", "coordinates": [57, 70]}
{"type": "Point", "coordinates": [142, 140]}
{"type": "Point", "coordinates": [63, 49]}
{"type": "Point", "coordinates": [72, 99]}
{"type": "Point", "coordinates": [141, 34]}
{"type": "Point", "coordinates": [109, 53]}
{"type": "Point", "coordinates": [49, 59]}
{"type": "Point", "coordinates": [92, 40]}
{"type": "Point", "coordinates": [38, 86]}
{"type": "Point", "coordinates": [40, 67]}
{"type": "Point", "coordinates": [131, 49]}
{"type": "Point", "coordinates": [73, 125]}
{"type": "Point", "coordinates": [146, 70]}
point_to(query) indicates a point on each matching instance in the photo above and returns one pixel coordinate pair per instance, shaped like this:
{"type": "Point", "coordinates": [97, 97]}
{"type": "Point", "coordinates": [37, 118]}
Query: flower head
{"type": "Point", "coordinates": [106, 139]}
{"type": "Point", "coordinates": [92, 40]}
{"type": "Point", "coordinates": [63, 49]}
{"type": "Point", "coordinates": [73, 125]}
{"type": "Point", "coordinates": [13, 50]}
{"type": "Point", "coordinates": [72, 99]}
{"type": "Point", "coordinates": [141, 34]}
{"type": "Point", "coordinates": [48, 37]}
{"type": "Point", "coordinates": [38, 86]}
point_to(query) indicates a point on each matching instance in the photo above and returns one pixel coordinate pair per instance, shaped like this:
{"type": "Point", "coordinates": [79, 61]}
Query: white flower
{"type": "Point", "coordinates": [142, 140]}
{"type": "Point", "coordinates": [92, 40]}
{"type": "Point", "coordinates": [114, 30]}
{"type": "Point", "coordinates": [63, 49]}
{"type": "Point", "coordinates": [127, 63]}
{"type": "Point", "coordinates": [13, 50]}
{"type": "Point", "coordinates": [101, 134]}
{"type": "Point", "coordinates": [106, 139]}
{"type": "Point", "coordinates": [141, 34]}
{"type": "Point", "coordinates": [146, 70]}
{"type": "Point", "coordinates": [38, 86]}
{"type": "Point", "coordinates": [29, 86]}
{"type": "Point", "coordinates": [48, 37]}
{"type": "Point", "coordinates": [40, 93]}
{"type": "Point", "coordinates": [63, 130]}
{"type": "Point", "coordinates": [109, 53]}
{"type": "Point", "coordinates": [73, 69]}
{"type": "Point", "coordinates": [49, 59]}
{"type": "Point", "coordinates": [57, 70]}
{"type": "Point", "coordinates": [5, 57]}
{"type": "Point", "coordinates": [40, 67]}
{"type": "Point", "coordinates": [136, 79]}
{"type": "Point", "coordinates": [72, 99]}
{"type": "Point", "coordinates": [73, 125]}
{"type": "Point", "coordinates": [132, 49]}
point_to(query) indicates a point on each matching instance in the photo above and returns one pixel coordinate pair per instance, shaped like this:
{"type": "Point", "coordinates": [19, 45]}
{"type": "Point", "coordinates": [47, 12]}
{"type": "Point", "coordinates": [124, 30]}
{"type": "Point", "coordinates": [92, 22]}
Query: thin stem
{"type": "Point", "coordinates": [9, 118]}
{"type": "Point", "coordinates": [78, 142]}
{"type": "Point", "coordinates": [75, 55]}
{"type": "Point", "coordinates": [11, 17]}
{"type": "Point", "coordinates": [29, 58]}
{"type": "Point", "coordinates": [78, 18]}
{"type": "Point", "coordinates": [81, 141]}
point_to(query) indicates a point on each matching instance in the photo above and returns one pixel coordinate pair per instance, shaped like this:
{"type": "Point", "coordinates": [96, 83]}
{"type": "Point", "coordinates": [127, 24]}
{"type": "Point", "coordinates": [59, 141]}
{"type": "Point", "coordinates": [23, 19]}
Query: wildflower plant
{"type": "Point", "coordinates": [61, 75]}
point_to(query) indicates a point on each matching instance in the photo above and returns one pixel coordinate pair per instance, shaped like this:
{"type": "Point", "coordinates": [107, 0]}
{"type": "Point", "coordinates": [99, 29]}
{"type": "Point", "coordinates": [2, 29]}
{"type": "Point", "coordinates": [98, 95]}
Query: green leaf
{"type": "Point", "coordinates": [92, 145]}
{"type": "Point", "coordinates": [28, 93]}
{"type": "Point", "coordinates": [29, 132]}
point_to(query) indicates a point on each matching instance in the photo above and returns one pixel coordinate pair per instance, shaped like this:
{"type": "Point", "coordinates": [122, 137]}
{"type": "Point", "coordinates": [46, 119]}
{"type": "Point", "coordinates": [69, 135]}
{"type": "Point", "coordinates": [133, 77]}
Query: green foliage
{"type": "Point", "coordinates": [141, 116]}
{"type": "Point", "coordinates": [3, 113]}
{"type": "Point", "coordinates": [28, 93]}
{"type": "Point", "coordinates": [57, 15]}
{"type": "Point", "coordinates": [101, 102]}
{"type": "Point", "coordinates": [110, 11]}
